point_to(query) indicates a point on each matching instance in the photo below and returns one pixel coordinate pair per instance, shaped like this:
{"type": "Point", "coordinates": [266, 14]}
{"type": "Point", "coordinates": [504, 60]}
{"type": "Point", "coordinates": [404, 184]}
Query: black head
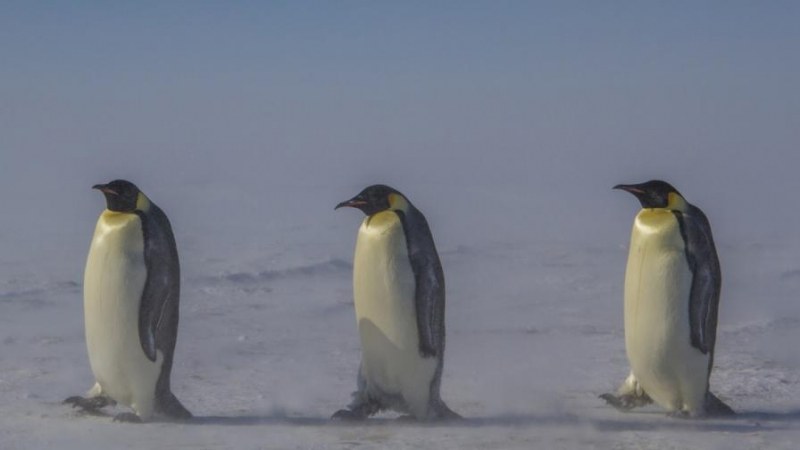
{"type": "Point", "coordinates": [121, 195]}
{"type": "Point", "coordinates": [374, 199]}
{"type": "Point", "coordinates": [653, 194]}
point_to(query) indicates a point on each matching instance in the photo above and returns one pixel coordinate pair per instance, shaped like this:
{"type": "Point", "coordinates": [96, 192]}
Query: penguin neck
{"type": "Point", "coordinates": [382, 221]}
{"type": "Point", "coordinates": [114, 220]}
{"type": "Point", "coordinates": [651, 220]}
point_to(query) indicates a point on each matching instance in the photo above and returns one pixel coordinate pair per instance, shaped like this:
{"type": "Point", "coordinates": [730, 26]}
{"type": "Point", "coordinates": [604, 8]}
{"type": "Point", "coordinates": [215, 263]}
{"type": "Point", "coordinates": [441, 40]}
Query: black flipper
{"type": "Point", "coordinates": [701, 255]}
{"type": "Point", "coordinates": [159, 303]}
{"type": "Point", "coordinates": [429, 297]}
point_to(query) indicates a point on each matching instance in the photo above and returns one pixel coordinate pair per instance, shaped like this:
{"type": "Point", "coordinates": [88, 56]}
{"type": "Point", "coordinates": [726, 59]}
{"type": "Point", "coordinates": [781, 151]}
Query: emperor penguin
{"type": "Point", "coordinates": [131, 290]}
{"type": "Point", "coordinates": [399, 296]}
{"type": "Point", "coordinates": [672, 288]}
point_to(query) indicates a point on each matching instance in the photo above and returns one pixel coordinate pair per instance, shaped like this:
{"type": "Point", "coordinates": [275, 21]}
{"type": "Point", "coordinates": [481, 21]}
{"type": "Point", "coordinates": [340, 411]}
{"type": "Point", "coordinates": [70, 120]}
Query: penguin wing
{"type": "Point", "coordinates": [706, 281]}
{"type": "Point", "coordinates": [429, 283]}
{"type": "Point", "coordinates": [162, 289]}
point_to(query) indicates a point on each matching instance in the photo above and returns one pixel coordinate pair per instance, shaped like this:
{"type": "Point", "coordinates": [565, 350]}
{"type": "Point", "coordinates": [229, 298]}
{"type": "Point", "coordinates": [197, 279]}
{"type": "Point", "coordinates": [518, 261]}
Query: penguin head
{"type": "Point", "coordinates": [376, 198]}
{"type": "Point", "coordinates": [122, 196]}
{"type": "Point", "coordinates": [656, 194]}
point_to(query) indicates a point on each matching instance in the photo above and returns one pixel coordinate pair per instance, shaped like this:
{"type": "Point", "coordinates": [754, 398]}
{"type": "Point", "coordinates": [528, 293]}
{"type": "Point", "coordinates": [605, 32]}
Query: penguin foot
{"type": "Point", "coordinates": [680, 414]}
{"type": "Point", "coordinates": [360, 409]}
{"type": "Point", "coordinates": [128, 417]}
{"type": "Point", "coordinates": [627, 402]}
{"type": "Point", "coordinates": [346, 415]}
{"type": "Point", "coordinates": [91, 404]}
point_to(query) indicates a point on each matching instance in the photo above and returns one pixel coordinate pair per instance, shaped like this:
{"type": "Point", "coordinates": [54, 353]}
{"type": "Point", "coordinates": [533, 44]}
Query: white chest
{"type": "Point", "coordinates": [384, 288]}
{"type": "Point", "coordinates": [657, 332]}
{"type": "Point", "coordinates": [383, 281]}
{"type": "Point", "coordinates": [113, 284]}
{"type": "Point", "coordinates": [657, 278]}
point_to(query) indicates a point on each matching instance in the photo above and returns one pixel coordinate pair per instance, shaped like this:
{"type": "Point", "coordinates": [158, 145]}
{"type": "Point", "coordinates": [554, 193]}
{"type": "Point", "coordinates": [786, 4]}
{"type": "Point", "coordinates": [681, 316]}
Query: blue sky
{"type": "Point", "coordinates": [502, 97]}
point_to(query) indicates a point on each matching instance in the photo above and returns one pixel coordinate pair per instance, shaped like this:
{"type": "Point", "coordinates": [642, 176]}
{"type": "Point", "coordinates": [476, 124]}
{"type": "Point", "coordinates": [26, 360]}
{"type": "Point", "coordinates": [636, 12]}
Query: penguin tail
{"type": "Point", "coordinates": [443, 412]}
{"type": "Point", "coordinates": [170, 406]}
{"type": "Point", "coordinates": [716, 407]}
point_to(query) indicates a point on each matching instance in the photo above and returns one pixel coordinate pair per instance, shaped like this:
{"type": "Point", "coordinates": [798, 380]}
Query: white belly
{"type": "Point", "coordinates": [113, 283]}
{"type": "Point", "coordinates": [657, 333]}
{"type": "Point", "coordinates": [383, 287]}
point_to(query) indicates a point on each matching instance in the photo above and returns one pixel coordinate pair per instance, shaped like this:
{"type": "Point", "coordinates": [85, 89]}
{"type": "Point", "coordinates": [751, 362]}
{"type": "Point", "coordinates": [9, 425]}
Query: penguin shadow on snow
{"type": "Point", "coordinates": [279, 419]}
{"type": "Point", "coordinates": [242, 420]}
{"type": "Point", "coordinates": [746, 422]}
{"type": "Point", "coordinates": [742, 422]}
{"type": "Point", "coordinates": [790, 416]}
{"type": "Point", "coordinates": [258, 420]}
{"type": "Point", "coordinates": [651, 420]}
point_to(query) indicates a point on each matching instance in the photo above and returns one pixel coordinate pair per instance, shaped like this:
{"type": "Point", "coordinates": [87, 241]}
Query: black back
{"type": "Point", "coordinates": [429, 297]}
{"type": "Point", "coordinates": [701, 255]}
{"type": "Point", "coordinates": [158, 311]}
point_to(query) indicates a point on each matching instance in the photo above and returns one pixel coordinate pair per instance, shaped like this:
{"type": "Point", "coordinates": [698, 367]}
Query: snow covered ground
{"type": "Point", "coordinates": [268, 349]}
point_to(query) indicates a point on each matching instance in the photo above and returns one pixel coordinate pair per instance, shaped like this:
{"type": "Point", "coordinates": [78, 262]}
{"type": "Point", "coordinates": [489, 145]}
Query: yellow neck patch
{"type": "Point", "coordinates": [397, 202]}
{"type": "Point", "coordinates": [142, 202]}
{"type": "Point", "coordinates": [381, 220]}
{"type": "Point", "coordinates": [114, 218]}
{"type": "Point", "coordinates": [676, 202]}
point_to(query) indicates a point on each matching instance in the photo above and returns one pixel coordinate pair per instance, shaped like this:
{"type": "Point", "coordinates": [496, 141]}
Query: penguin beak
{"type": "Point", "coordinates": [632, 188]}
{"type": "Point", "coordinates": [105, 189]}
{"type": "Point", "coordinates": [354, 202]}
